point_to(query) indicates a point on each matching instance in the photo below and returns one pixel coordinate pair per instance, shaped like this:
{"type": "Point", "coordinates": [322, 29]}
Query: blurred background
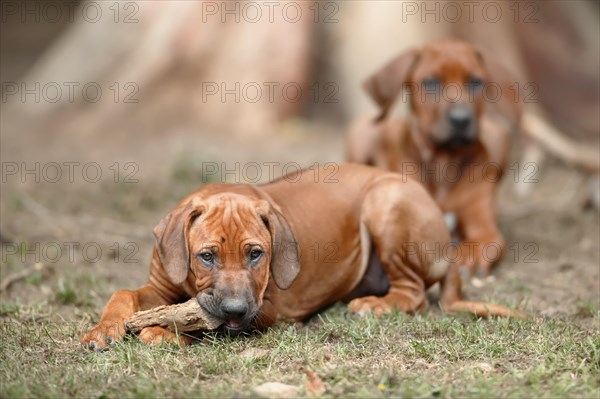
{"type": "Point", "coordinates": [113, 111]}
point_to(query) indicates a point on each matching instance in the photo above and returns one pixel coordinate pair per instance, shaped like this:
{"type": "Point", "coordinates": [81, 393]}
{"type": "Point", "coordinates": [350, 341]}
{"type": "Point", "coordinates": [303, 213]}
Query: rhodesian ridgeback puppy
{"type": "Point", "coordinates": [463, 109]}
{"type": "Point", "coordinates": [254, 254]}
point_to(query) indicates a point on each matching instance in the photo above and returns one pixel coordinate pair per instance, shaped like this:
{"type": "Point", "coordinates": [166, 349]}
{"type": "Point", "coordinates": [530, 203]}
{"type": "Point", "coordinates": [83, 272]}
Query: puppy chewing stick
{"type": "Point", "coordinates": [187, 316]}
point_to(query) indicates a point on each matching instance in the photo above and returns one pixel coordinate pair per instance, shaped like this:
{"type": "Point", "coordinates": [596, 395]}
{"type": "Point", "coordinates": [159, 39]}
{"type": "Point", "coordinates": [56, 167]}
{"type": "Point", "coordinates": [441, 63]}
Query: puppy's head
{"type": "Point", "coordinates": [448, 83]}
{"type": "Point", "coordinates": [228, 246]}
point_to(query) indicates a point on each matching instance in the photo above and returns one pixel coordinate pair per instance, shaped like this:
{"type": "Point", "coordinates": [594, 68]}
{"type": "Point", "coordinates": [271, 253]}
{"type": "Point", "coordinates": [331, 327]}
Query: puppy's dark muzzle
{"type": "Point", "coordinates": [457, 141]}
{"type": "Point", "coordinates": [461, 128]}
{"type": "Point", "coordinates": [237, 313]}
{"type": "Point", "coordinates": [460, 118]}
{"type": "Point", "coordinates": [234, 308]}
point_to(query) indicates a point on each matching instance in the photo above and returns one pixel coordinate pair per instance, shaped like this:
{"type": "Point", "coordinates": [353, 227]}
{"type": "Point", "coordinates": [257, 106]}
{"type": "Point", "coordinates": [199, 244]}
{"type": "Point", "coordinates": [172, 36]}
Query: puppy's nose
{"type": "Point", "coordinates": [460, 117]}
{"type": "Point", "coordinates": [234, 308]}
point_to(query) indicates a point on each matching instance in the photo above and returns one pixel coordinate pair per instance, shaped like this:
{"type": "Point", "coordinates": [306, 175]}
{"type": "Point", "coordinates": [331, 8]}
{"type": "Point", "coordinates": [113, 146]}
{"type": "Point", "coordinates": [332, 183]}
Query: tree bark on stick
{"type": "Point", "coordinates": [187, 316]}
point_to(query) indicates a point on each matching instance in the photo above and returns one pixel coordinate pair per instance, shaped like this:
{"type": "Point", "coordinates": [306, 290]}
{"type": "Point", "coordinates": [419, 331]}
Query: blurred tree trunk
{"type": "Point", "coordinates": [171, 58]}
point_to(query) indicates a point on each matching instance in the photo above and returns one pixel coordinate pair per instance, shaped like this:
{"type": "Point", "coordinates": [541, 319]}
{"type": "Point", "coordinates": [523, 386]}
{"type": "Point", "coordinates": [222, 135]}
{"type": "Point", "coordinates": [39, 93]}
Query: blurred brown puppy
{"type": "Point", "coordinates": [254, 254]}
{"type": "Point", "coordinates": [463, 109]}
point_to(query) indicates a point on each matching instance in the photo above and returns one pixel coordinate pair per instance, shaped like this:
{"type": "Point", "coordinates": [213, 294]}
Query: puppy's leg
{"type": "Point", "coordinates": [406, 294]}
{"type": "Point", "coordinates": [119, 308]}
{"type": "Point", "coordinates": [407, 229]}
{"type": "Point", "coordinates": [156, 335]}
{"type": "Point", "coordinates": [362, 141]}
{"type": "Point", "coordinates": [482, 243]}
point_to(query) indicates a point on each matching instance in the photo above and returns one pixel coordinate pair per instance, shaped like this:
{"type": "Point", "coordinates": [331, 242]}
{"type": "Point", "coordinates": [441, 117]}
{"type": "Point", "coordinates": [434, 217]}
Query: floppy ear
{"type": "Point", "coordinates": [385, 85]}
{"type": "Point", "coordinates": [171, 240]}
{"type": "Point", "coordinates": [285, 260]}
{"type": "Point", "coordinates": [509, 104]}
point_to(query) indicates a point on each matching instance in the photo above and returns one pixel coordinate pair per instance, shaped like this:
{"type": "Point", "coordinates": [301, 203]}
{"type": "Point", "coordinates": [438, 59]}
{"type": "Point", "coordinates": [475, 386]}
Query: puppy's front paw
{"type": "Point", "coordinates": [103, 334]}
{"type": "Point", "coordinates": [156, 335]}
{"type": "Point", "coordinates": [478, 257]}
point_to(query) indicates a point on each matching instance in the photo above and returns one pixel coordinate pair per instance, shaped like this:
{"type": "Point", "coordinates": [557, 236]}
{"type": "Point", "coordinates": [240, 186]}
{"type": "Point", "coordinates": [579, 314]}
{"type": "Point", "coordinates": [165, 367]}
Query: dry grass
{"type": "Point", "coordinates": [394, 356]}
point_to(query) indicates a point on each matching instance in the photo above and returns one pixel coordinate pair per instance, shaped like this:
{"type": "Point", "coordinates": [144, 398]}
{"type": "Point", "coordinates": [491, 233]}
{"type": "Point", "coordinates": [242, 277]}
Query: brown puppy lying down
{"type": "Point", "coordinates": [254, 254]}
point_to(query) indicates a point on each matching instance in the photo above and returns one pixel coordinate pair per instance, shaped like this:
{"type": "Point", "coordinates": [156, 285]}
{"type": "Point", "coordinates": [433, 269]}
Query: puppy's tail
{"type": "Point", "coordinates": [559, 144]}
{"type": "Point", "coordinates": [483, 309]}
{"type": "Point", "coordinates": [451, 299]}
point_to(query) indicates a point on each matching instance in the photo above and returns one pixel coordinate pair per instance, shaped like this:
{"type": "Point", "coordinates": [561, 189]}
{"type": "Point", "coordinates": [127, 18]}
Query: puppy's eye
{"type": "Point", "coordinates": [255, 254]}
{"type": "Point", "coordinates": [475, 83]}
{"type": "Point", "coordinates": [206, 258]}
{"type": "Point", "coordinates": [431, 84]}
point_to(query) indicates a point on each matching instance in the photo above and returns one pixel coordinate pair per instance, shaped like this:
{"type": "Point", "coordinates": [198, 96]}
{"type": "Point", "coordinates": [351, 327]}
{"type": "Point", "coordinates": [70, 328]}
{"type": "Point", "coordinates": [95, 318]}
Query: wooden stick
{"type": "Point", "coordinates": [187, 316]}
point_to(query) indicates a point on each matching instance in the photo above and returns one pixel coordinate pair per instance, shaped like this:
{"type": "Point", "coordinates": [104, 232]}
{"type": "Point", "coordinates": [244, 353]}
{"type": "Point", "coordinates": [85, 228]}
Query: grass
{"type": "Point", "coordinates": [78, 289]}
{"type": "Point", "coordinates": [396, 356]}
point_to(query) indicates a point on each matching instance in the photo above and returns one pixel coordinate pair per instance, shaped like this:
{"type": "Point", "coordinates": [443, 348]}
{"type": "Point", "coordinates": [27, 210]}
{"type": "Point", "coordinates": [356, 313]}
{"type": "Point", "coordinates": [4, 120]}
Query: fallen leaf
{"type": "Point", "coordinates": [314, 386]}
{"type": "Point", "coordinates": [276, 390]}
